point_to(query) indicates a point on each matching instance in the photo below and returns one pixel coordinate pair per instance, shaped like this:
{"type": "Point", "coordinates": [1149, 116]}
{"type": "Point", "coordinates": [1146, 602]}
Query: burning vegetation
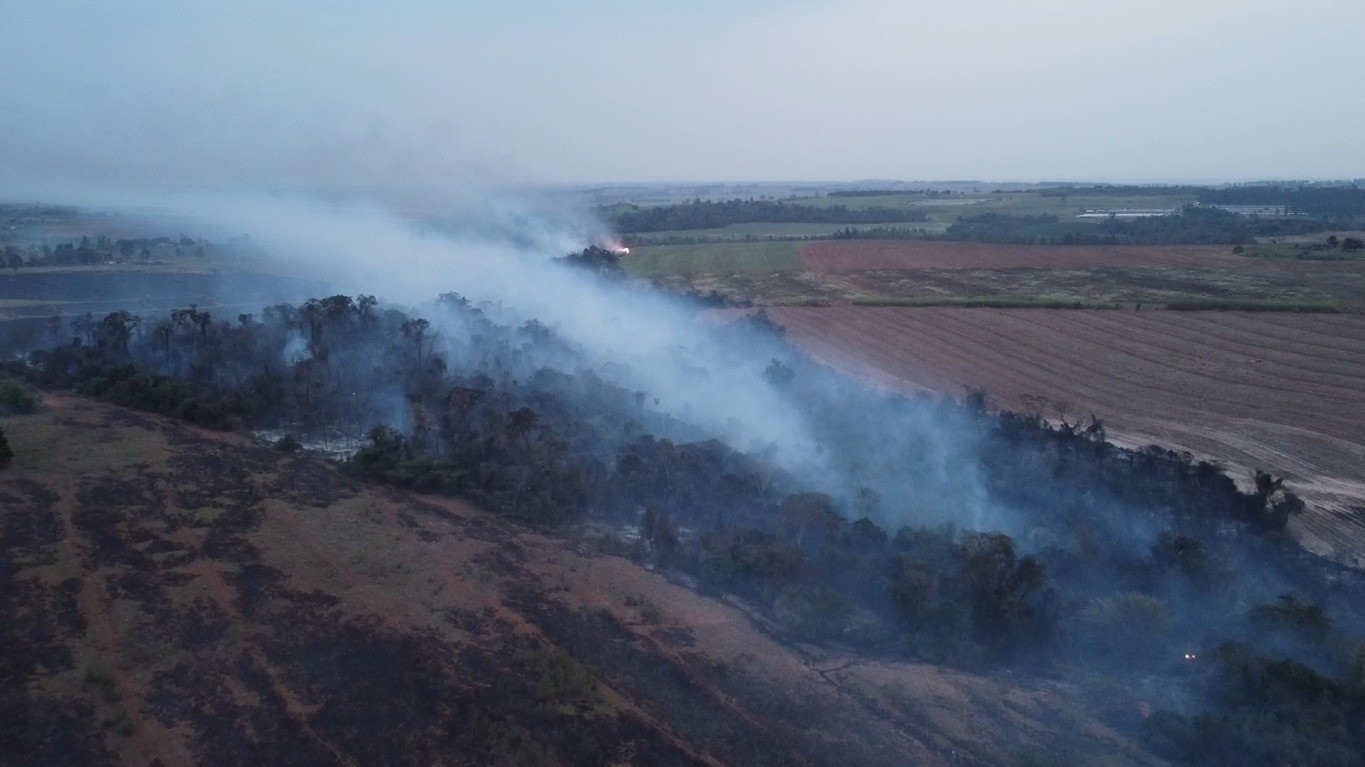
{"type": "Point", "coordinates": [936, 531]}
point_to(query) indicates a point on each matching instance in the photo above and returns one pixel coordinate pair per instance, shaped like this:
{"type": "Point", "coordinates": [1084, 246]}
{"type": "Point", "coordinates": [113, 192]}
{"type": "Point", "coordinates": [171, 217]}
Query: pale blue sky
{"type": "Point", "coordinates": [357, 94]}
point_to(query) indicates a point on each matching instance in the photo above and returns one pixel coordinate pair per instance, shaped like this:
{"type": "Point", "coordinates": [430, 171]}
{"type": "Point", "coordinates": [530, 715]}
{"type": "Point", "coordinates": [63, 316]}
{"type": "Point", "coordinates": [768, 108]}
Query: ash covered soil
{"type": "Point", "coordinates": [173, 596]}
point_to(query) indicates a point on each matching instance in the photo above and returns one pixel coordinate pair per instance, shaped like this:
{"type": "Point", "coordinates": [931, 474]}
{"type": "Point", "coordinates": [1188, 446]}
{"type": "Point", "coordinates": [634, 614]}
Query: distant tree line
{"type": "Point", "coordinates": [1111, 190]}
{"type": "Point", "coordinates": [1332, 206]}
{"type": "Point", "coordinates": [1191, 225]}
{"type": "Point", "coordinates": [707, 214]}
{"type": "Point", "coordinates": [870, 193]}
{"type": "Point", "coordinates": [100, 250]}
{"type": "Point", "coordinates": [878, 233]}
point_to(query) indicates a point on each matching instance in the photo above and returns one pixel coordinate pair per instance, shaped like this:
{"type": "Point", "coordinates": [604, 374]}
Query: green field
{"type": "Point", "coordinates": [1302, 251]}
{"type": "Point", "coordinates": [762, 231]}
{"type": "Point", "coordinates": [859, 203]}
{"type": "Point", "coordinates": [717, 258]}
{"type": "Point", "coordinates": [771, 273]}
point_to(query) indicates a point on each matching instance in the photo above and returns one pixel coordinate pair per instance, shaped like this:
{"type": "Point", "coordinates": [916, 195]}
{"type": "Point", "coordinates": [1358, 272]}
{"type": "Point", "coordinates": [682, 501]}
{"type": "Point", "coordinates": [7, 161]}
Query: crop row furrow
{"type": "Point", "coordinates": [1199, 362]}
{"type": "Point", "coordinates": [1182, 370]}
{"type": "Point", "coordinates": [1066, 380]}
{"type": "Point", "coordinates": [940, 348]}
{"type": "Point", "coordinates": [1099, 367]}
{"type": "Point", "coordinates": [1234, 338]}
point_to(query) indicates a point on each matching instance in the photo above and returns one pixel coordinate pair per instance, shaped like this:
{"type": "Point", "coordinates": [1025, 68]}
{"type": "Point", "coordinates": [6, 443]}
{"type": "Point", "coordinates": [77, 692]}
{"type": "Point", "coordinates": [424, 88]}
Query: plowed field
{"type": "Point", "coordinates": [1280, 392]}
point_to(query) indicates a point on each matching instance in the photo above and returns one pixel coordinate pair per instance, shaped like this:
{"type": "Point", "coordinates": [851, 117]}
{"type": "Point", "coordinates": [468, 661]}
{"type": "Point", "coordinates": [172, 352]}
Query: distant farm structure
{"type": "Point", "coordinates": [1125, 212]}
{"type": "Point", "coordinates": [1255, 210]}
{"type": "Point", "coordinates": [1241, 210]}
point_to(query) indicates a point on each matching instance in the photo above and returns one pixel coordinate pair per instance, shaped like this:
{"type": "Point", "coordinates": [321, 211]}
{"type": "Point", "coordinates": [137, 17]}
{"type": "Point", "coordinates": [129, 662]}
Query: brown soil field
{"type": "Point", "coordinates": [856, 255]}
{"type": "Point", "coordinates": [1280, 392]}
{"type": "Point", "coordinates": [171, 596]}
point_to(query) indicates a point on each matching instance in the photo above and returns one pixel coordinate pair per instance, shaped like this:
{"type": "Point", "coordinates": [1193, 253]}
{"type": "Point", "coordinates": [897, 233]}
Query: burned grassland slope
{"type": "Point", "coordinates": [866, 534]}
{"type": "Point", "coordinates": [179, 596]}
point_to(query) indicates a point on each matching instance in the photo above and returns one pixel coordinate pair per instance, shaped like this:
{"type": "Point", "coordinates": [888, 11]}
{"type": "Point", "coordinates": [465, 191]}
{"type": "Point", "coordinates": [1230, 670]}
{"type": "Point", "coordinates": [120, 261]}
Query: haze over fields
{"type": "Point", "coordinates": [348, 95]}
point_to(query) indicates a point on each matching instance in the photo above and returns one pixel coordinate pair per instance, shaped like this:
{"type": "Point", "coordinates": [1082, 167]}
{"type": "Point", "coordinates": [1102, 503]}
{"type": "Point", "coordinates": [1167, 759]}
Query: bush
{"type": "Point", "coordinates": [822, 613]}
{"type": "Point", "coordinates": [387, 449]}
{"type": "Point", "coordinates": [6, 454]}
{"type": "Point", "coordinates": [563, 681]}
{"type": "Point", "coordinates": [1131, 627]}
{"type": "Point", "coordinates": [15, 399]}
{"type": "Point", "coordinates": [814, 612]}
{"type": "Point", "coordinates": [1292, 617]}
{"type": "Point", "coordinates": [751, 563]}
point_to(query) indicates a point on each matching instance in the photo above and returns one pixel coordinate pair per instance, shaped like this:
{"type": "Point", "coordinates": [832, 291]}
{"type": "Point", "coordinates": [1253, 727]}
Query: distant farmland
{"type": "Point", "coordinates": [855, 255]}
{"type": "Point", "coordinates": [1148, 338]}
{"type": "Point", "coordinates": [656, 260]}
{"type": "Point", "coordinates": [944, 273]}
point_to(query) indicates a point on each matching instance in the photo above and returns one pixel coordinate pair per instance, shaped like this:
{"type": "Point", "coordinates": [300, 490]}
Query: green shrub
{"type": "Point", "coordinates": [1131, 627]}
{"type": "Point", "coordinates": [820, 613]}
{"type": "Point", "coordinates": [15, 399]}
{"type": "Point", "coordinates": [561, 680]}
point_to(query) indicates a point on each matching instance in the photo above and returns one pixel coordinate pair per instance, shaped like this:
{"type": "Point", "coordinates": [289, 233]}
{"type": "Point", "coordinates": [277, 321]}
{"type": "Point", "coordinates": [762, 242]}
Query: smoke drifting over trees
{"type": "Point", "coordinates": [556, 393]}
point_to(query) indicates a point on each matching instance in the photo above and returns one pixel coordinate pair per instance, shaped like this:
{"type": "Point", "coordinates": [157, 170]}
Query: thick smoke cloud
{"type": "Point", "coordinates": [500, 256]}
{"type": "Point", "coordinates": [498, 251]}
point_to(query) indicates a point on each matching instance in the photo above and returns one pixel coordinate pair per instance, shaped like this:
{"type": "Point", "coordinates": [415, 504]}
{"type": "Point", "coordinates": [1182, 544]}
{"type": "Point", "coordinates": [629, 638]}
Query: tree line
{"type": "Point", "coordinates": [1335, 205]}
{"type": "Point", "coordinates": [1110, 190]}
{"type": "Point", "coordinates": [1191, 225]}
{"type": "Point", "coordinates": [103, 249]}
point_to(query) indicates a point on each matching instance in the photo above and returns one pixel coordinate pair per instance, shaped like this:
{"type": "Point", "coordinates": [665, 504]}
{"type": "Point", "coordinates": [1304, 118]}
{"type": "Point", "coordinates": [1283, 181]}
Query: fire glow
{"type": "Point", "coordinates": [615, 246]}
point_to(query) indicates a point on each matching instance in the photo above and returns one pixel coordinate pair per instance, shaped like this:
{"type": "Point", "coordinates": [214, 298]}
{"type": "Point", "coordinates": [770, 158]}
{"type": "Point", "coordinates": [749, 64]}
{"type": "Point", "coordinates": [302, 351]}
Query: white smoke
{"type": "Point", "coordinates": [503, 256]}
{"type": "Point", "coordinates": [498, 250]}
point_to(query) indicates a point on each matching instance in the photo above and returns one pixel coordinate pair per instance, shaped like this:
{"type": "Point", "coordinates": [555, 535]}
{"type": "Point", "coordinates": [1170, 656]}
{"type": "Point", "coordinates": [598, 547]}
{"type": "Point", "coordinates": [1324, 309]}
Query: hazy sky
{"type": "Point", "coordinates": [250, 93]}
